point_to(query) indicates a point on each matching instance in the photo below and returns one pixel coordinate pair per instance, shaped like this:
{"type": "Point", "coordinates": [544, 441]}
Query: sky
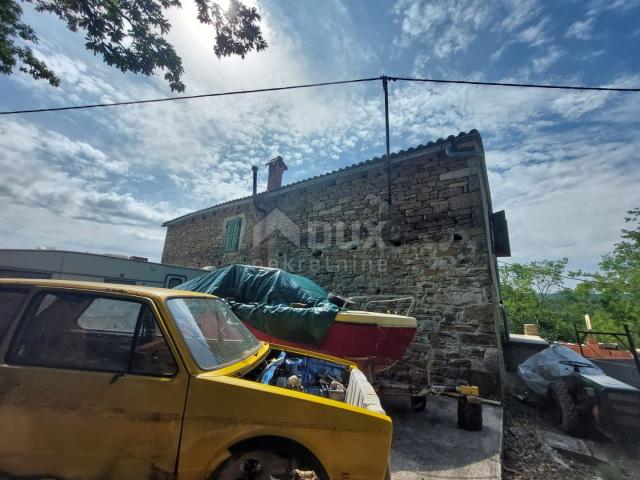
{"type": "Point", "coordinates": [564, 165]}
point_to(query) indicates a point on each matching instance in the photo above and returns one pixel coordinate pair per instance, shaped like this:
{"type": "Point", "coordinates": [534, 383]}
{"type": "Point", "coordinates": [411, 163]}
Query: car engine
{"type": "Point", "coordinates": [305, 374]}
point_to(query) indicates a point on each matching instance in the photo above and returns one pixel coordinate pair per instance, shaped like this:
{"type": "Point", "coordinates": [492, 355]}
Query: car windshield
{"type": "Point", "coordinates": [214, 335]}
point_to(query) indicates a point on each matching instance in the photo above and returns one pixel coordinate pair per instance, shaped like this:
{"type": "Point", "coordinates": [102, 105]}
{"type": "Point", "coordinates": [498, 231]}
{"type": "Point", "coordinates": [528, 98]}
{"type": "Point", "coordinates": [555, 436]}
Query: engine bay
{"type": "Point", "coordinates": [304, 374]}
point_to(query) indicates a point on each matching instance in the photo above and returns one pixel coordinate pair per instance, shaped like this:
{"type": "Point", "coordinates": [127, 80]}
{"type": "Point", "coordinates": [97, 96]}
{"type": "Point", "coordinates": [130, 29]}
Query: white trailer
{"type": "Point", "coordinates": [61, 264]}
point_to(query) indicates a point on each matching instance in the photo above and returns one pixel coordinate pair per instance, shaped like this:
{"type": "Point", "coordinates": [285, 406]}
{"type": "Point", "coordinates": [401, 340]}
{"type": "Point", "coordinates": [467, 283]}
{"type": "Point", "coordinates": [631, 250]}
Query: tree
{"type": "Point", "coordinates": [128, 34]}
{"type": "Point", "coordinates": [535, 293]}
{"type": "Point", "coordinates": [618, 283]}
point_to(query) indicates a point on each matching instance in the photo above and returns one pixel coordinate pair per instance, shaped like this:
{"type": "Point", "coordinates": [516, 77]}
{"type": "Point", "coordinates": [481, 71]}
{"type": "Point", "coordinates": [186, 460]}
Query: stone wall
{"type": "Point", "coordinates": [432, 243]}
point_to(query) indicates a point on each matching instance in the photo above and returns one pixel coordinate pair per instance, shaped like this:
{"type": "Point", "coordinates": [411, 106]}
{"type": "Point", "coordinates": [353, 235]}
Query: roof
{"type": "Point", "coordinates": [54, 251]}
{"type": "Point", "coordinates": [137, 290]}
{"type": "Point", "coordinates": [372, 161]}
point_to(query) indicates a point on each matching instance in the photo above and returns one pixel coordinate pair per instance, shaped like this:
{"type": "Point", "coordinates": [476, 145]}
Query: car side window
{"type": "Point", "coordinates": [110, 315]}
{"type": "Point", "coordinates": [10, 301]}
{"type": "Point", "coordinates": [151, 354]}
{"type": "Point", "coordinates": [88, 332]}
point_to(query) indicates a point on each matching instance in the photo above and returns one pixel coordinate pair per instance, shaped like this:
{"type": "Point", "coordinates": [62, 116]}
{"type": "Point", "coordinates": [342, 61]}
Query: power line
{"type": "Point", "coordinates": [519, 85]}
{"type": "Point", "coordinates": [540, 270]}
{"type": "Point", "coordinates": [190, 97]}
{"type": "Point", "coordinates": [323, 84]}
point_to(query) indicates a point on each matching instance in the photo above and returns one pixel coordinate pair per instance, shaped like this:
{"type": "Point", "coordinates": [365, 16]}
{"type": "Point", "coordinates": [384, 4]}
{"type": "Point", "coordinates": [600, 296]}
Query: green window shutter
{"type": "Point", "coordinates": [232, 234]}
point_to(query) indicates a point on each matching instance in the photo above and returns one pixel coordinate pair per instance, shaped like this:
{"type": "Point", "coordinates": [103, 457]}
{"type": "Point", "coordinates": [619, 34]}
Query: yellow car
{"type": "Point", "coordinates": [102, 380]}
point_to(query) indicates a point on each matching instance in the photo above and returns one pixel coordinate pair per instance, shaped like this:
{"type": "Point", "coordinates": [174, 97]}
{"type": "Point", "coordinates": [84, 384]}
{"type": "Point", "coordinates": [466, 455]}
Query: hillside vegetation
{"type": "Point", "coordinates": [536, 292]}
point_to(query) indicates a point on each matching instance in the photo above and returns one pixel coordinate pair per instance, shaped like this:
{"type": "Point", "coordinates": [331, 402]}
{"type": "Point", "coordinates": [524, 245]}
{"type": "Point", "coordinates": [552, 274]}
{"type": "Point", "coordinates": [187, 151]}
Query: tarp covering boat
{"type": "Point", "coordinates": [262, 298]}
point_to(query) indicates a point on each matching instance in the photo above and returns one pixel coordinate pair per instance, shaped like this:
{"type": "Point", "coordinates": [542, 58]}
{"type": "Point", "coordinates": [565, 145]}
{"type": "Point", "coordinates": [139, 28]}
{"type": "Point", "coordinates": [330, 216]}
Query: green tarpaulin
{"type": "Point", "coordinates": [262, 297]}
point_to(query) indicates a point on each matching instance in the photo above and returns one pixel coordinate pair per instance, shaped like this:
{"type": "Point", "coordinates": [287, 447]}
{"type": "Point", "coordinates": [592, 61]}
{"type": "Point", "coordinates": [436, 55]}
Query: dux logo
{"type": "Point", "coordinates": [276, 221]}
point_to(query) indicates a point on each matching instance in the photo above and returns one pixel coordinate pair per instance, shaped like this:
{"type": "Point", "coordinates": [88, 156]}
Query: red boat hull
{"type": "Point", "coordinates": [374, 348]}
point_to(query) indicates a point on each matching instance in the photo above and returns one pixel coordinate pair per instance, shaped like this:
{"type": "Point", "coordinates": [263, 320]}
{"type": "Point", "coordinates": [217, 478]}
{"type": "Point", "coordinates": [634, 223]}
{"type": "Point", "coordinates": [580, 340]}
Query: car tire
{"type": "Point", "coordinates": [565, 412]}
{"type": "Point", "coordinates": [267, 464]}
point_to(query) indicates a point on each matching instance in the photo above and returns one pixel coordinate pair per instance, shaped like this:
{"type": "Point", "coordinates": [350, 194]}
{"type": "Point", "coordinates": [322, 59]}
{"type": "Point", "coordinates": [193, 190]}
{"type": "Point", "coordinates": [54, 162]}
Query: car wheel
{"type": "Point", "coordinates": [265, 465]}
{"type": "Point", "coordinates": [564, 412]}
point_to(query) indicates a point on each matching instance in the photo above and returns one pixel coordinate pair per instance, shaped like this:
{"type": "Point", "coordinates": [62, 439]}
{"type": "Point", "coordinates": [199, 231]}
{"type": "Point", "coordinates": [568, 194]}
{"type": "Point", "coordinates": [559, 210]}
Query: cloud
{"type": "Point", "coordinates": [495, 56]}
{"type": "Point", "coordinates": [61, 192]}
{"type": "Point", "coordinates": [446, 26]}
{"type": "Point", "coordinates": [574, 179]}
{"type": "Point", "coordinates": [540, 64]}
{"type": "Point", "coordinates": [537, 34]}
{"type": "Point", "coordinates": [597, 7]}
{"type": "Point", "coordinates": [582, 30]}
{"type": "Point", "coordinates": [518, 13]}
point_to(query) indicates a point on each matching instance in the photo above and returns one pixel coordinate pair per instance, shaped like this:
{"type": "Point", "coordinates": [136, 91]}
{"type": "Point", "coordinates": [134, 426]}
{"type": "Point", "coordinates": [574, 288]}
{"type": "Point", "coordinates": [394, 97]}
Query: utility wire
{"type": "Point", "coordinates": [322, 84]}
{"type": "Point", "coordinates": [191, 97]}
{"type": "Point", "coordinates": [520, 85]}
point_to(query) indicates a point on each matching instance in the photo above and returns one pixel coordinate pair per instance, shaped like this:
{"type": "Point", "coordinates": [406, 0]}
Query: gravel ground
{"type": "Point", "coordinates": [525, 458]}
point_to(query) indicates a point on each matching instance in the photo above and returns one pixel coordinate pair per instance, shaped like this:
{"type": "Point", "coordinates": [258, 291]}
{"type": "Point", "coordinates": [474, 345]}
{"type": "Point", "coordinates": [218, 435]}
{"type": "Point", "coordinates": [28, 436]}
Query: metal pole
{"type": "Point", "coordinates": [255, 180]}
{"type": "Point", "coordinates": [385, 87]}
{"type": "Point", "coordinates": [632, 346]}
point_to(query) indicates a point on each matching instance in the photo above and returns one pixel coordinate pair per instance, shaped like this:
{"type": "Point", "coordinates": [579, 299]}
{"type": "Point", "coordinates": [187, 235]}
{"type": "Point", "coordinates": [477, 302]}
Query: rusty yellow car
{"type": "Point", "coordinates": [102, 380]}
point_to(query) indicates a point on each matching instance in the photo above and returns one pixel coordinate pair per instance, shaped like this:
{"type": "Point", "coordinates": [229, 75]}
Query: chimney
{"type": "Point", "coordinates": [255, 180]}
{"type": "Point", "coordinates": [276, 169]}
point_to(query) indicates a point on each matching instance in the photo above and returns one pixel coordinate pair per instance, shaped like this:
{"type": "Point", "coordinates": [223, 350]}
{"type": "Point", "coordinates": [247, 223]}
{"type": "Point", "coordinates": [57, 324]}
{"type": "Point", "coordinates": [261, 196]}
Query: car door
{"type": "Point", "coordinates": [91, 388]}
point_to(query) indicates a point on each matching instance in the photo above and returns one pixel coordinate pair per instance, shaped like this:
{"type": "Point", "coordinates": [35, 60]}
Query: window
{"type": "Point", "coordinates": [107, 314]}
{"type": "Point", "coordinates": [173, 281]}
{"type": "Point", "coordinates": [151, 355]}
{"type": "Point", "coordinates": [231, 240]}
{"type": "Point", "coordinates": [89, 332]}
{"type": "Point", "coordinates": [10, 301]}
{"type": "Point", "coordinates": [213, 334]}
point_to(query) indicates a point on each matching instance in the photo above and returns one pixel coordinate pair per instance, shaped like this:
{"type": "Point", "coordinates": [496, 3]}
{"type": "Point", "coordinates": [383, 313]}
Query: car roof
{"type": "Point", "coordinates": [139, 290]}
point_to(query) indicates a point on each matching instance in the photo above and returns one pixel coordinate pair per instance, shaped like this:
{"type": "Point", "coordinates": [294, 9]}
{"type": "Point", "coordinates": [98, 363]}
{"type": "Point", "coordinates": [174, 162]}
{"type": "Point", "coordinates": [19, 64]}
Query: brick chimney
{"type": "Point", "coordinates": [276, 169]}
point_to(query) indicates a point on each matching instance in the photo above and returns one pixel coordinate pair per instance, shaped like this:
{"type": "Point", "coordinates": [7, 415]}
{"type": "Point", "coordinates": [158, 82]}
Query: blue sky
{"type": "Point", "coordinates": [564, 165]}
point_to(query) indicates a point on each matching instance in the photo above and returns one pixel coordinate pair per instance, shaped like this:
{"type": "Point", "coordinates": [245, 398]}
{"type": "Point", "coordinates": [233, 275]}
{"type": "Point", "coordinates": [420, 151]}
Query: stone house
{"type": "Point", "coordinates": [437, 241]}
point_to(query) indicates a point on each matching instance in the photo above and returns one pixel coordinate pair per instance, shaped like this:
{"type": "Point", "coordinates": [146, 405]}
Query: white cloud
{"type": "Point", "coordinates": [540, 64]}
{"type": "Point", "coordinates": [573, 105]}
{"type": "Point", "coordinates": [519, 12]}
{"type": "Point", "coordinates": [565, 194]}
{"type": "Point", "coordinates": [51, 180]}
{"type": "Point", "coordinates": [446, 26]}
{"type": "Point", "coordinates": [582, 30]}
{"type": "Point", "coordinates": [596, 7]}
{"type": "Point", "coordinates": [537, 34]}
{"type": "Point", "coordinates": [495, 56]}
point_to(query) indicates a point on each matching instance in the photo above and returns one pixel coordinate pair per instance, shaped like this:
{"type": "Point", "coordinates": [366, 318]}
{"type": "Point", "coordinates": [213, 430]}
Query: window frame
{"type": "Point", "coordinates": [33, 302]}
{"type": "Point", "coordinates": [5, 342]}
{"type": "Point", "coordinates": [173, 276]}
{"type": "Point", "coordinates": [227, 221]}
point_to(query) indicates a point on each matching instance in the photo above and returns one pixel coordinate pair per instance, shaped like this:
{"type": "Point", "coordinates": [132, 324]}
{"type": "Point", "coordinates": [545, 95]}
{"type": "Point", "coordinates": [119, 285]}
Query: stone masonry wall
{"type": "Point", "coordinates": [431, 244]}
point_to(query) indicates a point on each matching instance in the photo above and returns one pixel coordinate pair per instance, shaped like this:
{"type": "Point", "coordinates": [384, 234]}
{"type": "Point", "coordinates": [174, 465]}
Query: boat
{"type": "Point", "coordinates": [374, 341]}
{"type": "Point", "coordinates": [290, 310]}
